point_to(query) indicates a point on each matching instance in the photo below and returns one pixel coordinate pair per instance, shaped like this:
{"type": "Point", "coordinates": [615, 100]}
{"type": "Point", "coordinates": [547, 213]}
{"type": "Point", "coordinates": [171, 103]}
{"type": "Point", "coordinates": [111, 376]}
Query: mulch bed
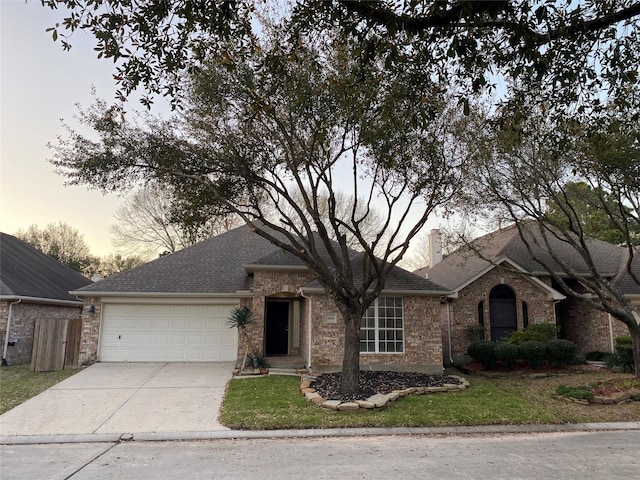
{"type": "Point", "coordinates": [611, 387]}
{"type": "Point", "coordinates": [371, 382]}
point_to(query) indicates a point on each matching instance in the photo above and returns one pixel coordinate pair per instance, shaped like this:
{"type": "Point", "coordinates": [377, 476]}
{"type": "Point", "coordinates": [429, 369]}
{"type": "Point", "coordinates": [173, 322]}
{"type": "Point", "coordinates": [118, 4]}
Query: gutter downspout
{"type": "Point", "coordinates": [6, 335]}
{"type": "Point", "coordinates": [449, 330]}
{"type": "Point", "coordinates": [613, 343]}
{"type": "Point", "coordinates": [309, 329]}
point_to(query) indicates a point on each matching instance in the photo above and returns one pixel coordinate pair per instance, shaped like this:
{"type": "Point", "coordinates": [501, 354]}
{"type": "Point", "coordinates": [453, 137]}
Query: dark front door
{"type": "Point", "coordinates": [277, 328]}
{"type": "Point", "coordinates": [502, 312]}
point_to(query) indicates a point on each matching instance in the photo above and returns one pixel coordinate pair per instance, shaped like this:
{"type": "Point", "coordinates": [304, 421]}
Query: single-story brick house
{"type": "Point", "coordinates": [33, 286]}
{"type": "Point", "coordinates": [492, 286]}
{"type": "Point", "coordinates": [176, 308]}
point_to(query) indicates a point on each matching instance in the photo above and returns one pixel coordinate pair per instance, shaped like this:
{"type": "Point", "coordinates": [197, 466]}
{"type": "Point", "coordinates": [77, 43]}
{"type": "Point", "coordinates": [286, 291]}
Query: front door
{"type": "Point", "coordinates": [277, 328]}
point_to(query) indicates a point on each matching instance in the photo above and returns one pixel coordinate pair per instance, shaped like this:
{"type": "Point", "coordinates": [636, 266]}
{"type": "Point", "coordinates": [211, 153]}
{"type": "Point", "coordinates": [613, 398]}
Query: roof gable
{"type": "Point", "coordinates": [464, 265]}
{"type": "Point", "coordinates": [27, 272]}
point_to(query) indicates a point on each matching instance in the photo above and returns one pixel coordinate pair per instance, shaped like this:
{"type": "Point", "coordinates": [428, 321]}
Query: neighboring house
{"type": "Point", "coordinates": [176, 308]}
{"type": "Point", "coordinates": [492, 285]}
{"type": "Point", "coordinates": [33, 288]}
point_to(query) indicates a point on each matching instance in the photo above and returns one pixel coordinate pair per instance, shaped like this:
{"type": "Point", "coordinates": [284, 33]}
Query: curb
{"type": "Point", "coordinates": [315, 433]}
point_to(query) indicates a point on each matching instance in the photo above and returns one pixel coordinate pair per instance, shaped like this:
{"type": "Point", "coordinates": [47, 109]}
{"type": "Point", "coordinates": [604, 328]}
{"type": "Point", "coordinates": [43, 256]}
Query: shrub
{"type": "Point", "coordinates": [475, 332]}
{"type": "Point", "coordinates": [561, 352]}
{"type": "Point", "coordinates": [542, 332]}
{"type": "Point", "coordinates": [624, 340]}
{"type": "Point", "coordinates": [533, 352]}
{"type": "Point", "coordinates": [574, 392]}
{"type": "Point", "coordinates": [483, 352]}
{"type": "Point", "coordinates": [596, 356]}
{"type": "Point", "coordinates": [506, 353]}
{"type": "Point", "coordinates": [623, 358]}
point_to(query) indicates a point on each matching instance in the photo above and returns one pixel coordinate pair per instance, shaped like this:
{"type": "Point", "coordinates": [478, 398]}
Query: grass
{"type": "Point", "coordinates": [275, 403]}
{"type": "Point", "coordinates": [18, 384]}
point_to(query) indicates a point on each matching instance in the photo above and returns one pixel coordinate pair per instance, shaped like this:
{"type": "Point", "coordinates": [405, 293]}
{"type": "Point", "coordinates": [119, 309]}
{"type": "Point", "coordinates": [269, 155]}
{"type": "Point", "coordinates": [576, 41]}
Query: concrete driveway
{"type": "Point", "coordinates": [125, 398]}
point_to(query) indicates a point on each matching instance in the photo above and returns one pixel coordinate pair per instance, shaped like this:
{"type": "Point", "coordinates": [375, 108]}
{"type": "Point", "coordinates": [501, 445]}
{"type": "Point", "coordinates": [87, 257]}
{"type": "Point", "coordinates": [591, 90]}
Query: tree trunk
{"type": "Point", "coordinates": [349, 379]}
{"type": "Point", "coordinates": [635, 344]}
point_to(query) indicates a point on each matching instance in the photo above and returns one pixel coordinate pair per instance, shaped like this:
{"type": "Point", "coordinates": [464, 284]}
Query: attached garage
{"type": "Point", "coordinates": [166, 333]}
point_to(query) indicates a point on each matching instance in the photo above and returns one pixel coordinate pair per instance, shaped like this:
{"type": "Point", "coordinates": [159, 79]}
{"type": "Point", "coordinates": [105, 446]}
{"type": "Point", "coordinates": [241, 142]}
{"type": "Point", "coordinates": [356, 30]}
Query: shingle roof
{"type": "Point", "coordinates": [462, 265]}
{"type": "Point", "coordinates": [212, 266]}
{"type": "Point", "coordinates": [27, 272]}
{"type": "Point", "coordinates": [623, 281]}
{"type": "Point", "coordinates": [217, 266]}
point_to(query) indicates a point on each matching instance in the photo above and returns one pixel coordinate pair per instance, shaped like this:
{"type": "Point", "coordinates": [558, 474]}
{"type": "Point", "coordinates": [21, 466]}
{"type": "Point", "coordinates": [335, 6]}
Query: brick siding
{"type": "Point", "coordinates": [464, 309]}
{"type": "Point", "coordinates": [24, 316]}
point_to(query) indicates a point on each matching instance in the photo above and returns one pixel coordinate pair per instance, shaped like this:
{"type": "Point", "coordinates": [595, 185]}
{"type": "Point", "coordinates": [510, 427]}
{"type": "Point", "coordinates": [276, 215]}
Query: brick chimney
{"type": "Point", "coordinates": [435, 247]}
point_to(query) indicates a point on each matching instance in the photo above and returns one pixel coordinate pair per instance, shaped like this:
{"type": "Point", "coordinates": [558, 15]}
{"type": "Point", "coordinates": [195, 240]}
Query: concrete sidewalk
{"type": "Point", "coordinates": [116, 399]}
{"type": "Point", "coordinates": [115, 402]}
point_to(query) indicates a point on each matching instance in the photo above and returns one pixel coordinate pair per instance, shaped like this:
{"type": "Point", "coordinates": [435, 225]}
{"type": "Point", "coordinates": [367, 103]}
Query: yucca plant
{"type": "Point", "coordinates": [241, 318]}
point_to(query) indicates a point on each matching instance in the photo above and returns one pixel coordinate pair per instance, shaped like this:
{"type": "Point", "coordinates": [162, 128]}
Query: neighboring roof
{"type": "Point", "coordinates": [463, 265]}
{"type": "Point", "coordinates": [27, 273]}
{"type": "Point", "coordinates": [220, 266]}
{"type": "Point", "coordinates": [623, 281]}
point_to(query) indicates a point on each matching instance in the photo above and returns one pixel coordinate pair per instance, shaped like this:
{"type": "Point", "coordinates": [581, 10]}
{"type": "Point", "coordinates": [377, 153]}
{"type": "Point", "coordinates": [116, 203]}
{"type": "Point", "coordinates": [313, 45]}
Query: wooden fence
{"type": "Point", "coordinates": [56, 344]}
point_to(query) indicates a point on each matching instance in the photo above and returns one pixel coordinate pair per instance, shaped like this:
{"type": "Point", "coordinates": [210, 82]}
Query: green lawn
{"type": "Point", "coordinates": [18, 384]}
{"type": "Point", "coordinates": [275, 403]}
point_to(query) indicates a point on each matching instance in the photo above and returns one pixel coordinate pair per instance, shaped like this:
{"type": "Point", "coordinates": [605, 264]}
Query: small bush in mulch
{"type": "Point", "coordinates": [580, 393]}
{"type": "Point", "coordinates": [533, 353]}
{"type": "Point", "coordinates": [561, 352]}
{"type": "Point", "coordinates": [506, 354]}
{"type": "Point", "coordinates": [484, 352]}
{"type": "Point", "coordinates": [371, 382]}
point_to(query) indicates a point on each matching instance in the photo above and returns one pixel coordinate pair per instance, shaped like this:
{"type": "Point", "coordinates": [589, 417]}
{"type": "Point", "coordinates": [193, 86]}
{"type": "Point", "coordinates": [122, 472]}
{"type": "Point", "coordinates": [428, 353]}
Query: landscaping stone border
{"type": "Point", "coordinates": [622, 397]}
{"type": "Point", "coordinates": [377, 401]}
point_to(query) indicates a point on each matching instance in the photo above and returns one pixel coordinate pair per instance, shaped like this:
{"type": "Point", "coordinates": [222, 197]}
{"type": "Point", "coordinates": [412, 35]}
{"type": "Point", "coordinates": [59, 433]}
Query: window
{"type": "Point", "coordinates": [382, 329]}
{"type": "Point", "coordinates": [481, 313]}
{"type": "Point", "coordinates": [525, 315]}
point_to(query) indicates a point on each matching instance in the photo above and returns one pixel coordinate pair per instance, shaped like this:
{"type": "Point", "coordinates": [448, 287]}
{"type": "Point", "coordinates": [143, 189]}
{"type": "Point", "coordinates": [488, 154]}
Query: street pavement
{"type": "Point", "coordinates": [553, 455]}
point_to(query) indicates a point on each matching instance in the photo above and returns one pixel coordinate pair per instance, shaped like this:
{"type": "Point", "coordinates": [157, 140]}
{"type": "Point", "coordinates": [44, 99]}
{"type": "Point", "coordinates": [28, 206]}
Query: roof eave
{"type": "Point", "coordinates": [236, 294]}
{"type": "Point", "coordinates": [390, 291]}
{"type": "Point", "coordinates": [50, 301]}
{"type": "Point", "coordinates": [280, 268]}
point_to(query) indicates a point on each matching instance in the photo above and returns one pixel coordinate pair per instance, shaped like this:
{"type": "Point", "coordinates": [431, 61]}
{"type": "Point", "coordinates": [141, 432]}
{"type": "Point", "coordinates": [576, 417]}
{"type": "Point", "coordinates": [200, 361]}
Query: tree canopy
{"type": "Point", "coordinates": [595, 209]}
{"type": "Point", "coordinates": [572, 54]}
{"type": "Point", "coordinates": [60, 241]}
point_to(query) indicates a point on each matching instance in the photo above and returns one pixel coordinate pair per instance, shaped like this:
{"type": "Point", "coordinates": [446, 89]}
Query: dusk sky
{"type": "Point", "coordinates": [41, 84]}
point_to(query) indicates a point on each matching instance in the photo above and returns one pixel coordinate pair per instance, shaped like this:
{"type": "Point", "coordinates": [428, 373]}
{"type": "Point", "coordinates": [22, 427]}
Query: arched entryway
{"type": "Point", "coordinates": [502, 312]}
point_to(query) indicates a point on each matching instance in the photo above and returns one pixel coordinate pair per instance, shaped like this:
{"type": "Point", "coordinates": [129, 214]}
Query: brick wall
{"type": "Point", "coordinates": [90, 331]}
{"type": "Point", "coordinates": [275, 284]}
{"type": "Point", "coordinates": [422, 338]}
{"type": "Point", "coordinates": [464, 309]}
{"type": "Point", "coordinates": [589, 328]}
{"type": "Point", "coordinates": [24, 316]}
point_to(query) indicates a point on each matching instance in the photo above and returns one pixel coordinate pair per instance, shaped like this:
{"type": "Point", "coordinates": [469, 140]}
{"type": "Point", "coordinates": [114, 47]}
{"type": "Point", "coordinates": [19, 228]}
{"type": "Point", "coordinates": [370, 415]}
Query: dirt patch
{"type": "Point", "coordinates": [610, 388]}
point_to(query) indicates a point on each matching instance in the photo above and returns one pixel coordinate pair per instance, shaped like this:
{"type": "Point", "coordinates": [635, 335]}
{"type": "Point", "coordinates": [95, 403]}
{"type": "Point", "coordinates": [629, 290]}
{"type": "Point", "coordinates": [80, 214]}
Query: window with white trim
{"type": "Point", "coordinates": [382, 327]}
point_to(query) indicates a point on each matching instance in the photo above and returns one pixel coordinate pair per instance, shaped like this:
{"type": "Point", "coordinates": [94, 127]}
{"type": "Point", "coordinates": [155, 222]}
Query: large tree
{"type": "Point", "coordinates": [60, 241]}
{"type": "Point", "coordinates": [148, 223]}
{"type": "Point", "coordinates": [275, 138]}
{"type": "Point", "coordinates": [529, 171]}
{"type": "Point", "coordinates": [595, 210]}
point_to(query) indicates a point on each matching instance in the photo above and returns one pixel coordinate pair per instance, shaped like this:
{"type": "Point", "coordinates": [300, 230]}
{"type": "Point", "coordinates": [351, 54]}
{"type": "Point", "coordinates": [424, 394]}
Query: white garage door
{"type": "Point", "coordinates": [167, 333]}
